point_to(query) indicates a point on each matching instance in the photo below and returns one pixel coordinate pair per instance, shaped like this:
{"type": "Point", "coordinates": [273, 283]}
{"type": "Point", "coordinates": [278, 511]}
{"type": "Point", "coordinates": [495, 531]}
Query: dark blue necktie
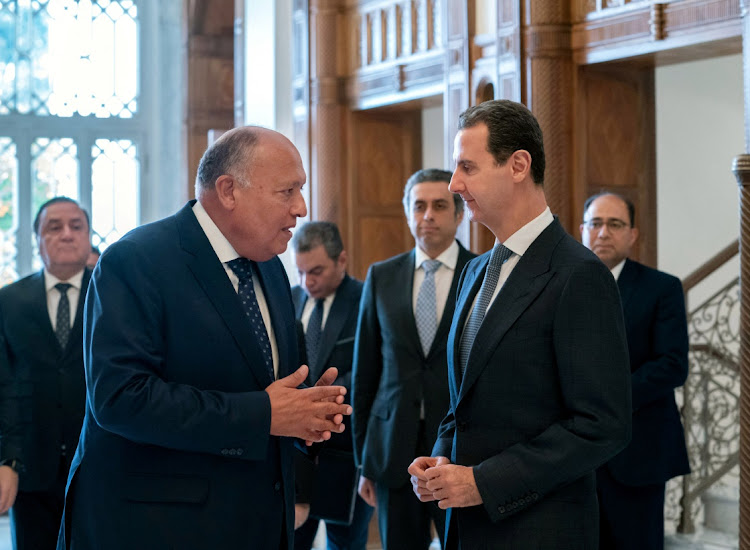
{"type": "Point", "coordinates": [243, 268]}
{"type": "Point", "coordinates": [62, 326]}
{"type": "Point", "coordinates": [312, 335]}
{"type": "Point", "coordinates": [499, 255]}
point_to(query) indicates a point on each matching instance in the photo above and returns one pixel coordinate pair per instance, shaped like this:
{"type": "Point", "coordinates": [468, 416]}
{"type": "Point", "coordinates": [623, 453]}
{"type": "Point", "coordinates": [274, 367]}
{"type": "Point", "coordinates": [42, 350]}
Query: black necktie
{"type": "Point", "coordinates": [243, 268]}
{"type": "Point", "coordinates": [314, 329]}
{"type": "Point", "coordinates": [62, 327]}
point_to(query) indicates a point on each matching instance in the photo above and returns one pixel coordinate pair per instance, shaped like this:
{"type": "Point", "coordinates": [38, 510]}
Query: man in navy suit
{"type": "Point", "coordinates": [191, 369]}
{"type": "Point", "coordinates": [631, 485]}
{"type": "Point", "coordinates": [400, 384]}
{"type": "Point", "coordinates": [537, 358]}
{"type": "Point", "coordinates": [327, 303]}
{"type": "Point", "coordinates": [42, 388]}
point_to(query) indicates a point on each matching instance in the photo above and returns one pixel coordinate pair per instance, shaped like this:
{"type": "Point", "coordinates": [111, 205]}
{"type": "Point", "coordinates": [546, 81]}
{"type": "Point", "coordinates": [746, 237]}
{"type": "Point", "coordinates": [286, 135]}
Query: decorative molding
{"type": "Point", "coordinates": [541, 41]}
{"type": "Point", "coordinates": [656, 22]}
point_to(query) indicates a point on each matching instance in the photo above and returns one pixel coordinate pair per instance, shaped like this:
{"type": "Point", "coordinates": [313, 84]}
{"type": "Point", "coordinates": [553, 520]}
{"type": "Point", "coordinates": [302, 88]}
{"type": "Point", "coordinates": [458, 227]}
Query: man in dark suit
{"type": "Point", "coordinates": [191, 368]}
{"type": "Point", "coordinates": [537, 358]}
{"type": "Point", "coordinates": [327, 303]}
{"type": "Point", "coordinates": [42, 388]}
{"type": "Point", "coordinates": [631, 485]}
{"type": "Point", "coordinates": [400, 384]}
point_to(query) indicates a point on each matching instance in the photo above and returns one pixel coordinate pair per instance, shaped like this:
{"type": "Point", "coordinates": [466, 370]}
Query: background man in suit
{"type": "Point", "coordinates": [327, 303]}
{"type": "Point", "coordinates": [41, 374]}
{"type": "Point", "coordinates": [631, 485]}
{"type": "Point", "coordinates": [537, 358]}
{"type": "Point", "coordinates": [191, 368]}
{"type": "Point", "coordinates": [400, 385]}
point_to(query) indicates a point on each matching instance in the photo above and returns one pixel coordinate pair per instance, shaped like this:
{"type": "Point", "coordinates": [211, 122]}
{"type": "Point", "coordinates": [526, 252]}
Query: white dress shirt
{"type": "Point", "coordinates": [615, 271]}
{"type": "Point", "coordinates": [53, 295]}
{"type": "Point", "coordinates": [226, 253]}
{"type": "Point", "coordinates": [443, 276]}
{"type": "Point", "coordinates": [310, 306]}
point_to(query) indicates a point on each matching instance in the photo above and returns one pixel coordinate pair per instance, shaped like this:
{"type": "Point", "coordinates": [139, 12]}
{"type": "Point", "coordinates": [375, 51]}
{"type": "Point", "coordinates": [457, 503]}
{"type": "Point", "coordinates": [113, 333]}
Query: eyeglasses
{"type": "Point", "coordinates": [613, 224]}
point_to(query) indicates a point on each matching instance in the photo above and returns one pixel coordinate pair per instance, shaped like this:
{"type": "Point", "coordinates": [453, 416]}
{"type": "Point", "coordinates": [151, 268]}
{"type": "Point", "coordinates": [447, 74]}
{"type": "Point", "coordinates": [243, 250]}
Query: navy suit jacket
{"type": "Point", "coordinates": [175, 450]}
{"type": "Point", "coordinates": [392, 375]}
{"type": "Point", "coordinates": [42, 387]}
{"type": "Point", "coordinates": [544, 400]}
{"type": "Point", "coordinates": [653, 303]}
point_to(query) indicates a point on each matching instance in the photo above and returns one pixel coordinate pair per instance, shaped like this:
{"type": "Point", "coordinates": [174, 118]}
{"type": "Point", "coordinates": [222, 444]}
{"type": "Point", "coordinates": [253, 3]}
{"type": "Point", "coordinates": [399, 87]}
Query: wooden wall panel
{"type": "Point", "coordinates": [384, 151]}
{"type": "Point", "coordinates": [615, 144]}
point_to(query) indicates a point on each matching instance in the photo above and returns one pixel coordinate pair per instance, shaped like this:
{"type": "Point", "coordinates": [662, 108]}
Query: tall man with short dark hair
{"type": "Point", "coordinates": [192, 372]}
{"type": "Point", "coordinates": [42, 387]}
{"type": "Point", "coordinates": [327, 303]}
{"type": "Point", "coordinates": [400, 385]}
{"type": "Point", "coordinates": [631, 485]}
{"type": "Point", "coordinates": [537, 358]}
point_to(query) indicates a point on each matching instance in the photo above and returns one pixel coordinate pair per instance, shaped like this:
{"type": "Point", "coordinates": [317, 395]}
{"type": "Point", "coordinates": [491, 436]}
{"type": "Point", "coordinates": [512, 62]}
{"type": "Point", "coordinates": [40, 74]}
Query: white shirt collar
{"type": "Point", "coordinates": [219, 242]}
{"type": "Point", "coordinates": [520, 241]}
{"type": "Point", "coordinates": [50, 280]}
{"type": "Point", "coordinates": [617, 269]}
{"type": "Point", "coordinates": [448, 257]}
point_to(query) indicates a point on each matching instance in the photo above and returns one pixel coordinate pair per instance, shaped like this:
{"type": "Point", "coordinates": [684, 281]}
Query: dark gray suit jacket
{"type": "Point", "coordinates": [42, 387]}
{"type": "Point", "coordinates": [391, 373]}
{"type": "Point", "coordinates": [544, 401]}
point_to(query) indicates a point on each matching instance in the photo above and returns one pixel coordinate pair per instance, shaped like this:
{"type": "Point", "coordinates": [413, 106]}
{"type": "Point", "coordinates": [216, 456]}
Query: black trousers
{"type": "Point", "coordinates": [629, 517]}
{"type": "Point", "coordinates": [35, 515]}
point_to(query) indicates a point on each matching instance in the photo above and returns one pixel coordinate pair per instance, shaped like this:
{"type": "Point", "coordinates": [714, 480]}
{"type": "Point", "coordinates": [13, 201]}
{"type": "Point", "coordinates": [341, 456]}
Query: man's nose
{"type": "Point", "coordinates": [299, 208]}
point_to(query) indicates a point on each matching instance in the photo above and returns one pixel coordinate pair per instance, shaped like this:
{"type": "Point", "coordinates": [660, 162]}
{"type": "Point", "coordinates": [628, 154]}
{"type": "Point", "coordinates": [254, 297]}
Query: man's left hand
{"type": "Point", "coordinates": [453, 486]}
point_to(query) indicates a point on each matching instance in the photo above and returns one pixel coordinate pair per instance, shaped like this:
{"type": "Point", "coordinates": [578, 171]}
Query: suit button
{"type": "Point", "coordinates": [239, 452]}
{"type": "Point", "coordinates": [535, 496]}
{"type": "Point", "coordinates": [501, 509]}
{"type": "Point", "coordinates": [277, 486]}
{"type": "Point", "coordinates": [225, 452]}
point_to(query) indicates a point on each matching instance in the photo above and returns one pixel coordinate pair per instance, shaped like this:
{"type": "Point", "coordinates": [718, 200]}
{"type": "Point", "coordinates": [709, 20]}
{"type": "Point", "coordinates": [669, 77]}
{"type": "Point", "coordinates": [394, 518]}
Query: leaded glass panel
{"type": "Point", "coordinates": [8, 213]}
{"type": "Point", "coordinates": [114, 190]}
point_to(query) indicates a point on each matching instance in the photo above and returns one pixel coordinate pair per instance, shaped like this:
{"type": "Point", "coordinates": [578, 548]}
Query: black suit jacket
{"type": "Point", "coordinates": [544, 400]}
{"type": "Point", "coordinates": [391, 373]}
{"type": "Point", "coordinates": [653, 303]}
{"type": "Point", "coordinates": [175, 450]}
{"type": "Point", "coordinates": [42, 387]}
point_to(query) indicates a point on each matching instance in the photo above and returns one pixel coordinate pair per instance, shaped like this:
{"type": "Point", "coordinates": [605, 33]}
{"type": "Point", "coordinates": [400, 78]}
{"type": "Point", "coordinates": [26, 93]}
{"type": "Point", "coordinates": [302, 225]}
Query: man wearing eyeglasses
{"type": "Point", "coordinates": [631, 485]}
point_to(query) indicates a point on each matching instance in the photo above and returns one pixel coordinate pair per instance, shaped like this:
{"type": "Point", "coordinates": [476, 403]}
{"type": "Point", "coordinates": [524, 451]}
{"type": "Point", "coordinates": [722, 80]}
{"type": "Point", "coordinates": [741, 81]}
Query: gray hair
{"type": "Point", "coordinates": [225, 155]}
{"type": "Point", "coordinates": [313, 234]}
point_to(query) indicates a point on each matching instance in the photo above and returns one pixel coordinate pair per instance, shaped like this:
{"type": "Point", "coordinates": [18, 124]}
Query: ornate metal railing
{"type": "Point", "coordinates": [710, 403]}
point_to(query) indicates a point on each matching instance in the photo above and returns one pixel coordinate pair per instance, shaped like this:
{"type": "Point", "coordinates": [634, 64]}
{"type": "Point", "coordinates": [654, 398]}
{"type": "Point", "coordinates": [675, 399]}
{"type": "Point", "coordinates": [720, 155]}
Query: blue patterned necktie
{"type": "Point", "coordinates": [314, 329]}
{"type": "Point", "coordinates": [62, 327]}
{"type": "Point", "coordinates": [426, 313]}
{"type": "Point", "coordinates": [499, 255]}
{"type": "Point", "coordinates": [243, 268]}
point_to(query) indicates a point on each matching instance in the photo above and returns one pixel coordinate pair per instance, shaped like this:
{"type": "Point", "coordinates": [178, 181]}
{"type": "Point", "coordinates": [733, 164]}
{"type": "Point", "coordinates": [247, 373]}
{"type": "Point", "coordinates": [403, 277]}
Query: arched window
{"type": "Point", "coordinates": [74, 116]}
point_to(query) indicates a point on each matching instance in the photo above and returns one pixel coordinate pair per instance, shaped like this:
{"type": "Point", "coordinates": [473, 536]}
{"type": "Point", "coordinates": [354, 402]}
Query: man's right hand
{"type": "Point", "coordinates": [367, 491]}
{"type": "Point", "coordinates": [8, 488]}
{"type": "Point", "coordinates": [311, 414]}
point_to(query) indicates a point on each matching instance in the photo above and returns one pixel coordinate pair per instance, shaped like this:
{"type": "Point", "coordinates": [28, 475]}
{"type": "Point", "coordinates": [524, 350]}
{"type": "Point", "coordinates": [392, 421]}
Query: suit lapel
{"type": "Point", "coordinates": [528, 278]}
{"type": "Point", "coordinates": [76, 331]}
{"type": "Point", "coordinates": [210, 276]}
{"type": "Point", "coordinates": [40, 313]}
{"type": "Point", "coordinates": [403, 290]}
{"type": "Point", "coordinates": [626, 282]}
{"type": "Point", "coordinates": [334, 324]}
{"type": "Point", "coordinates": [275, 288]}
{"type": "Point", "coordinates": [447, 319]}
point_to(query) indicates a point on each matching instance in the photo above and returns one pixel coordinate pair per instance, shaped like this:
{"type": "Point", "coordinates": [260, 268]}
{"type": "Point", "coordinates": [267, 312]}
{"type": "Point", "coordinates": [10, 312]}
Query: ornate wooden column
{"type": "Point", "coordinates": [548, 91]}
{"type": "Point", "coordinates": [326, 175]}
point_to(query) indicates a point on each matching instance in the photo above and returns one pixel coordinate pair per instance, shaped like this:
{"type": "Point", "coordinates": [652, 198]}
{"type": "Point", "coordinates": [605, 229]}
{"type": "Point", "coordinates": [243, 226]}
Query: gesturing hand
{"type": "Point", "coordinates": [311, 413]}
{"type": "Point", "coordinates": [418, 478]}
{"type": "Point", "coordinates": [452, 486]}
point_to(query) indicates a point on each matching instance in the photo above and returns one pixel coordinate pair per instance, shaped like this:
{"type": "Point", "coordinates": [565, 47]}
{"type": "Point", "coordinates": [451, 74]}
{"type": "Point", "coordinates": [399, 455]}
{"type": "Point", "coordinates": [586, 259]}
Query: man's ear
{"type": "Point", "coordinates": [520, 164]}
{"type": "Point", "coordinates": [225, 188]}
{"type": "Point", "coordinates": [343, 259]}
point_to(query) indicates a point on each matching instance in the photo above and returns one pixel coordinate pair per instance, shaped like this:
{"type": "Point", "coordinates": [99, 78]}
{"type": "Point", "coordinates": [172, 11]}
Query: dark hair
{"type": "Point", "coordinates": [430, 174]}
{"type": "Point", "coordinates": [56, 200]}
{"type": "Point", "coordinates": [225, 155]}
{"type": "Point", "coordinates": [628, 203]}
{"type": "Point", "coordinates": [511, 127]}
{"type": "Point", "coordinates": [313, 234]}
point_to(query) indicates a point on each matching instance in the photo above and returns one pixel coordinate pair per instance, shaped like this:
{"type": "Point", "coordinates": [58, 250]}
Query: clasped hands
{"type": "Point", "coordinates": [436, 478]}
{"type": "Point", "coordinates": [311, 414]}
